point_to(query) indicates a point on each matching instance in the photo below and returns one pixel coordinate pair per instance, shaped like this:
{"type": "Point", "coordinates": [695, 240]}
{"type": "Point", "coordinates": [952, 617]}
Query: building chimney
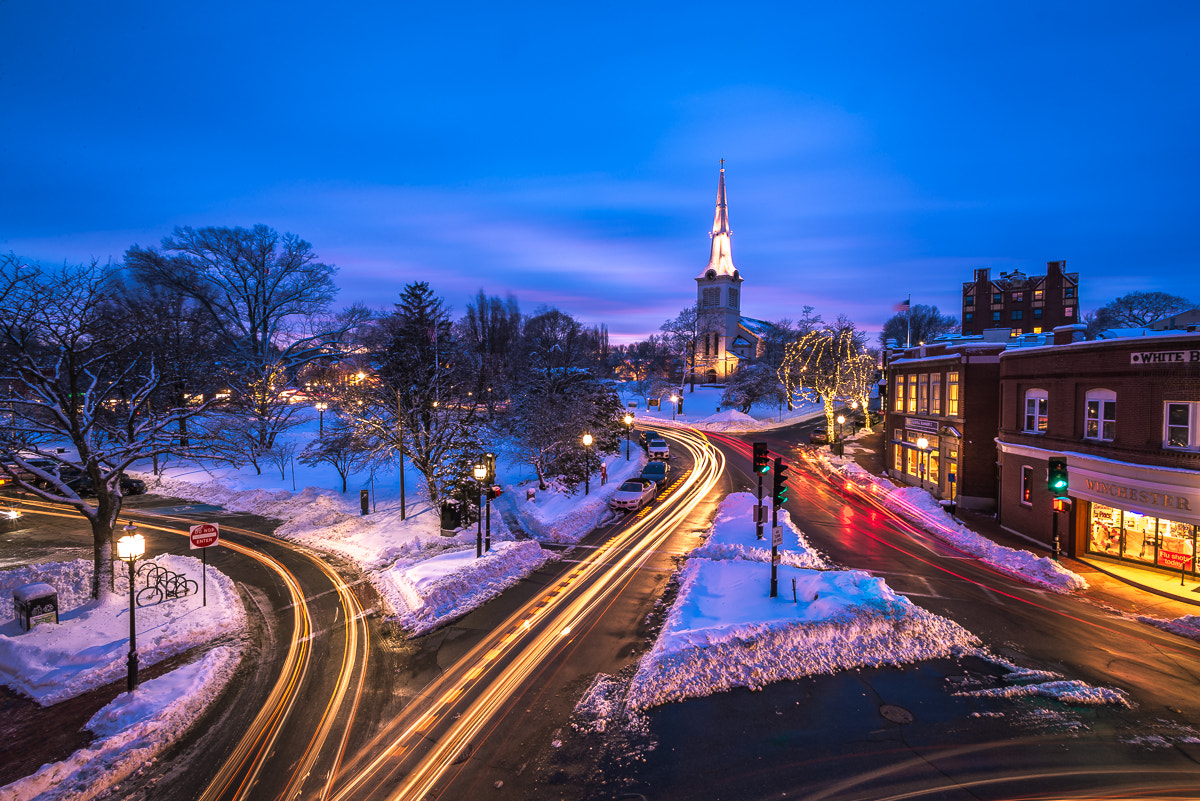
{"type": "Point", "coordinates": [1066, 334]}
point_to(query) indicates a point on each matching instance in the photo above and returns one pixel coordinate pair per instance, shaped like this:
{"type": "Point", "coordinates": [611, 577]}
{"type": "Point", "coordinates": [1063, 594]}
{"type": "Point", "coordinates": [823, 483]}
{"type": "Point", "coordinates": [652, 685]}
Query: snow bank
{"type": "Point", "coordinates": [437, 590]}
{"type": "Point", "coordinates": [131, 731]}
{"type": "Point", "coordinates": [922, 509]}
{"type": "Point", "coordinates": [725, 631]}
{"type": "Point", "coordinates": [89, 646]}
{"type": "Point", "coordinates": [563, 516]}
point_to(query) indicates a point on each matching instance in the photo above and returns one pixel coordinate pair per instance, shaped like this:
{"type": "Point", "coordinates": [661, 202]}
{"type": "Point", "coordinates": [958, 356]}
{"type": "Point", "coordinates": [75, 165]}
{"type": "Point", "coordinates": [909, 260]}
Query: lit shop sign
{"type": "Point", "coordinates": [1121, 492]}
{"type": "Point", "coordinates": [1165, 357]}
{"type": "Point", "coordinates": [930, 426]}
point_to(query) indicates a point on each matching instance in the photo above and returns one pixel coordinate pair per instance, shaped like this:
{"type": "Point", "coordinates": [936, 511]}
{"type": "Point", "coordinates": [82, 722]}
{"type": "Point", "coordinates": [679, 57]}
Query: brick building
{"type": "Point", "coordinates": [946, 395]}
{"type": "Point", "coordinates": [1125, 414]}
{"type": "Point", "coordinates": [1024, 304]}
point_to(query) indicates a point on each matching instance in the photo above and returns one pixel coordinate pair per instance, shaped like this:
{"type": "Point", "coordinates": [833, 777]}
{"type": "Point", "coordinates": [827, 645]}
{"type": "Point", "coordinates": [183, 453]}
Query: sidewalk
{"type": "Point", "coordinates": [1127, 588]}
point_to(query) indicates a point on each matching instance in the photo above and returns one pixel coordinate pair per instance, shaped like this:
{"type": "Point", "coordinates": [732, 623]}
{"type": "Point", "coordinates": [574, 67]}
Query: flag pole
{"type": "Point", "coordinates": [908, 315]}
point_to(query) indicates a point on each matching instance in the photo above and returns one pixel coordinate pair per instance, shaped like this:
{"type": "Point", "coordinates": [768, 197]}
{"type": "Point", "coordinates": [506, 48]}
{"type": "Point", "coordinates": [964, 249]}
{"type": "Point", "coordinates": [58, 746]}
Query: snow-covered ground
{"type": "Point", "coordinates": [88, 648]}
{"type": "Point", "coordinates": [702, 410]}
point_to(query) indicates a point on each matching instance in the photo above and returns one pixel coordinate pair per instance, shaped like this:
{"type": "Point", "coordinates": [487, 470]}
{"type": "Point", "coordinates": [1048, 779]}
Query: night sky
{"type": "Point", "coordinates": [568, 153]}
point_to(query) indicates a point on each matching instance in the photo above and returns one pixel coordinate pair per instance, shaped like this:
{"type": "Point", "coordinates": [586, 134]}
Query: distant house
{"type": "Point", "coordinates": [1184, 321]}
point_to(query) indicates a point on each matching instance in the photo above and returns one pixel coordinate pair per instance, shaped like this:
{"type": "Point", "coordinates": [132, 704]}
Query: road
{"type": "Point", "coordinates": [285, 724]}
{"type": "Point", "coordinates": [893, 733]}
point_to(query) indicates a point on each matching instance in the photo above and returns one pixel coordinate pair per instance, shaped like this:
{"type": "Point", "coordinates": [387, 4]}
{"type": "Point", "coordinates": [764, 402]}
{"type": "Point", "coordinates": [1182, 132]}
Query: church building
{"type": "Point", "coordinates": [726, 337]}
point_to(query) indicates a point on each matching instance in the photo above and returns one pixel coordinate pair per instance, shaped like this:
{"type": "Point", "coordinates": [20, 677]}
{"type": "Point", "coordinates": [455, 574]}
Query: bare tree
{"type": "Point", "coordinates": [340, 448]}
{"type": "Point", "coordinates": [1139, 309]}
{"type": "Point", "coordinates": [270, 298]}
{"type": "Point", "coordinates": [683, 336]}
{"type": "Point", "coordinates": [922, 322]}
{"type": "Point", "coordinates": [79, 383]}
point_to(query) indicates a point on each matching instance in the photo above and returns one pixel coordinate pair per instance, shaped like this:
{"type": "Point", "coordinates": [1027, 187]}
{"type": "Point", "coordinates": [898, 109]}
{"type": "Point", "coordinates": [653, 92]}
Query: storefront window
{"type": "Point", "coordinates": [1026, 485]}
{"type": "Point", "coordinates": [1141, 538]}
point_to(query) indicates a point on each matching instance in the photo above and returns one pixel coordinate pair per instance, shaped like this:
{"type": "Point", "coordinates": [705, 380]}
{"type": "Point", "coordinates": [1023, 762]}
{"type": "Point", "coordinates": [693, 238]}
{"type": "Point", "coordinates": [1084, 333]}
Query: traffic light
{"type": "Point", "coordinates": [761, 462]}
{"type": "Point", "coordinates": [1056, 482]}
{"type": "Point", "coordinates": [779, 496]}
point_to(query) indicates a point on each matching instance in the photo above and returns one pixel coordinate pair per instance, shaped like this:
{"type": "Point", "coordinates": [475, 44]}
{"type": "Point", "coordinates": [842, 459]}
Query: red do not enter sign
{"type": "Point", "coordinates": [205, 535]}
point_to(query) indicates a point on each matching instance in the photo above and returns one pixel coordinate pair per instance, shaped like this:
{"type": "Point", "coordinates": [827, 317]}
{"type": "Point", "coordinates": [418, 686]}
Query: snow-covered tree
{"type": "Point", "coordinates": [77, 381]}
{"type": "Point", "coordinates": [341, 448]}
{"type": "Point", "coordinates": [751, 384]}
{"type": "Point", "coordinates": [418, 399]}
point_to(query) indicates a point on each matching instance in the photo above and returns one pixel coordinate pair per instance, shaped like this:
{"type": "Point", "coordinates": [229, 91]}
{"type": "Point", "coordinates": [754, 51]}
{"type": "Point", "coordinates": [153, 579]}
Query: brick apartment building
{"type": "Point", "coordinates": [1125, 413]}
{"type": "Point", "coordinates": [945, 394]}
{"type": "Point", "coordinates": [1024, 304]}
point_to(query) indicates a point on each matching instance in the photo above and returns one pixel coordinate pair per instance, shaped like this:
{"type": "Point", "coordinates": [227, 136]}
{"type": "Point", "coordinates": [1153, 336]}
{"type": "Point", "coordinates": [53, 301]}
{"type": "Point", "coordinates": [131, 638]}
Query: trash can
{"type": "Point", "coordinates": [34, 604]}
{"type": "Point", "coordinates": [451, 518]}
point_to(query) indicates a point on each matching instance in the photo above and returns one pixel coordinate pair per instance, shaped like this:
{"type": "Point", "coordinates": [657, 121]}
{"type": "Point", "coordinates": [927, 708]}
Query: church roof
{"type": "Point", "coordinates": [756, 327]}
{"type": "Point", "coordinates": [720, 258]}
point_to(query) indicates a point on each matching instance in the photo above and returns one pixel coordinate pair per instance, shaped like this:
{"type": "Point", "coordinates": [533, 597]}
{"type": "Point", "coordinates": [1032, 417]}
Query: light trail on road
{"type": "Point", "coordinates": [236, 777]}
{"type": "Point", "coordinates": [452, 715]}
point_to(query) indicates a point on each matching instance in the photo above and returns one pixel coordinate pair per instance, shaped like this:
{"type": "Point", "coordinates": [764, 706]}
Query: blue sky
{"type": "Point", "coordinates": [568, 153]}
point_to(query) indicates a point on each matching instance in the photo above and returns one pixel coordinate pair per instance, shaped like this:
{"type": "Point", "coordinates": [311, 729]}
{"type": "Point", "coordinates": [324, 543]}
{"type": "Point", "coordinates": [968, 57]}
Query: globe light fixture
{"type": "Point", "coordinates": [131, 547]}
{"type": "Point", "coordinates": [587, 464]}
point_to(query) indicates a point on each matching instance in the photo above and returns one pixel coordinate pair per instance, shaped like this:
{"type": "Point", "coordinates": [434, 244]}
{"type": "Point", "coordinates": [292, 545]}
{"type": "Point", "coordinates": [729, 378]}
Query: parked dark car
{"type": "Point", "coordinates": [82, 483]}
{"type": "Point", "coordinates": [656, 472]}
{"type": "Point", "coordinates": [819, 436]}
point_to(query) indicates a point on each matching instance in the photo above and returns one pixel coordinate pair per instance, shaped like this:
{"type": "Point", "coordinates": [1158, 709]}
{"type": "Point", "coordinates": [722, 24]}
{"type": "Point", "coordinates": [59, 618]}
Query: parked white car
{"type": "Point", "coordinates": [658, 450]}
{"type": "Point", "coordinates": [634, 494]}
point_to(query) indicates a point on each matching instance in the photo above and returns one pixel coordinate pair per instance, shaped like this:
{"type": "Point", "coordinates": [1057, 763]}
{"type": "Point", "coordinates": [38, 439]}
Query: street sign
{"type": "Point", "coordinates": [205, 535]}
{"type": "Point", "coordinates": [777, 536]}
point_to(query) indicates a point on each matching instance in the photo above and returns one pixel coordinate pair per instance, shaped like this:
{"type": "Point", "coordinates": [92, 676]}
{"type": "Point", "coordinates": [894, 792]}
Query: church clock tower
{"type": "Point", "coordinates": [718, 298]}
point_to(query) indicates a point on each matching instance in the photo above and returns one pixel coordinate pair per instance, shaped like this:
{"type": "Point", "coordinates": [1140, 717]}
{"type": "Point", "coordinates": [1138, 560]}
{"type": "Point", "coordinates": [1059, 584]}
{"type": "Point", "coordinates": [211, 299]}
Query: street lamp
{"type": "Point", "coordinates": [841, 421]}
{"type": "Point", "coordinates": [628, 428]}
{"type": "Point", "coordinates": [923, 444]}
{"type": "Point", "coordinates": [130, 548]}
{"type": "Point", "coordinates": [675, 410]}
{"type": "Point", "coordinates": [587, 464]}
{"type": "Point", "coordinates": [321, 407]}
{"type": "Point", "coordinates": [480, 475]}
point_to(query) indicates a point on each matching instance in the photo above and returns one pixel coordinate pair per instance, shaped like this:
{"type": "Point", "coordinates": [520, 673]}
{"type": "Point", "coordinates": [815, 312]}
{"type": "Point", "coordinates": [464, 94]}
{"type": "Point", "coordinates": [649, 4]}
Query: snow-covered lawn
{"type": "Point", "coordinates": [427, 577]}
{"type": "Point", "coordinates": [88, 649]}
{"type": "Point", "coordinates": [702, 410]}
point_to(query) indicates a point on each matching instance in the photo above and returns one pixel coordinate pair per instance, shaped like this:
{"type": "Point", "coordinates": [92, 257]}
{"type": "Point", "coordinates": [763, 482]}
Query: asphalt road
{"type": "Point", "coordinates": [893, 733]}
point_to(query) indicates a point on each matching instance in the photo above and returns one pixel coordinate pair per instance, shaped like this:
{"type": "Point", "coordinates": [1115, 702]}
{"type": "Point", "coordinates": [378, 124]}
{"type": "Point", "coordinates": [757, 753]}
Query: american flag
{"type": "Point", "coordinates": [902, 306]}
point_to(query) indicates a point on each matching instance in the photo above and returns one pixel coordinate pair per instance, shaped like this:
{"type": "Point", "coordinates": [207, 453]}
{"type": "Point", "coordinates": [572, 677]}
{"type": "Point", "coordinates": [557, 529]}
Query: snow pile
{"type": "Point", "coordinates": [89, 646]}
{"type": "Point", "coordinates": [563, 516]}
{"type": "Point", "coordinates": [1068, 691]}
{"type": "Point", "coordinates": [1186, 626]}
{"type": "Point", "coordinates": [72, 581]}
{"type": "Point", "coordinates": [131, 731]}
{"type": "Point", "coordinates": [435, 591]}
{"type": "Point", "coordinates": [725, 631]}
{"type": "Point", "coordinates": [732, 536]}
{"type": "Point", "coordinates": [918, 506]}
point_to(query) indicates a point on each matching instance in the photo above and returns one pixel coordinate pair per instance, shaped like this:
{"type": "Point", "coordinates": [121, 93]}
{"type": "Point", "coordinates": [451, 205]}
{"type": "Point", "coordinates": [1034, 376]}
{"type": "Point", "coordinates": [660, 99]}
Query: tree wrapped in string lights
{"type": "Point", "coordinates": [825, 367]}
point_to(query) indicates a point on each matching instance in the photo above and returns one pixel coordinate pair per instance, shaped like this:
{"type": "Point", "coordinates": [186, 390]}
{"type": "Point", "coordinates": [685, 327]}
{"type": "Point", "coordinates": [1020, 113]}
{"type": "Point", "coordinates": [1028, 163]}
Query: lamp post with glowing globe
{"type": "Point", "coordinates": [587, 464]}
{"type": "Point", "coordinates": [130, 548]}
{"type": "Point", "coordinates": [480, 474]}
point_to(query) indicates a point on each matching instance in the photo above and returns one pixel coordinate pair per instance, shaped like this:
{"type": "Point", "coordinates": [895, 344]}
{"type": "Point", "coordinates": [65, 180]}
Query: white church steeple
{"type": "Point", "coordinates": [720, 259]}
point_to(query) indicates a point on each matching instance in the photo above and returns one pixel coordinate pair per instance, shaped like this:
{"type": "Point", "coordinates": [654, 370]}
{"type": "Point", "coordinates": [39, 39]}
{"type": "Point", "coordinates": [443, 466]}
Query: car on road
{"type": "Point", "coordinates": [819, 436]}
{"type": "Point", "coordinates": [81, 482]}
{"type": "Point", "coordinates": [634, 494]}
{"type": "Point", "coordinates": [656, 472]}
{"type": "Point", "coordinates": [658, 449]}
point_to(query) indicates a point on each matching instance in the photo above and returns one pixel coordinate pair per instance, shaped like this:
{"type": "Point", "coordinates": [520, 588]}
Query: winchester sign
{"type": "Point", "coordinates": [1165, 357]}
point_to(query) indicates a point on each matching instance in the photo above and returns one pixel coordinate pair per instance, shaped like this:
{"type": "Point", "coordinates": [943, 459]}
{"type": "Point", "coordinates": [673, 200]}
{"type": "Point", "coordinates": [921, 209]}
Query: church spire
{"type": "Point", "coordinates": [720, 259]}
{"type": "Point", "coordinates": [721, 219]}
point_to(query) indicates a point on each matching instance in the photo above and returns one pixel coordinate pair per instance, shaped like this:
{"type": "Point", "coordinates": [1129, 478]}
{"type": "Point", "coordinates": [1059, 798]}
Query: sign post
{"type": "Point", "coordinates": [204, 536]}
